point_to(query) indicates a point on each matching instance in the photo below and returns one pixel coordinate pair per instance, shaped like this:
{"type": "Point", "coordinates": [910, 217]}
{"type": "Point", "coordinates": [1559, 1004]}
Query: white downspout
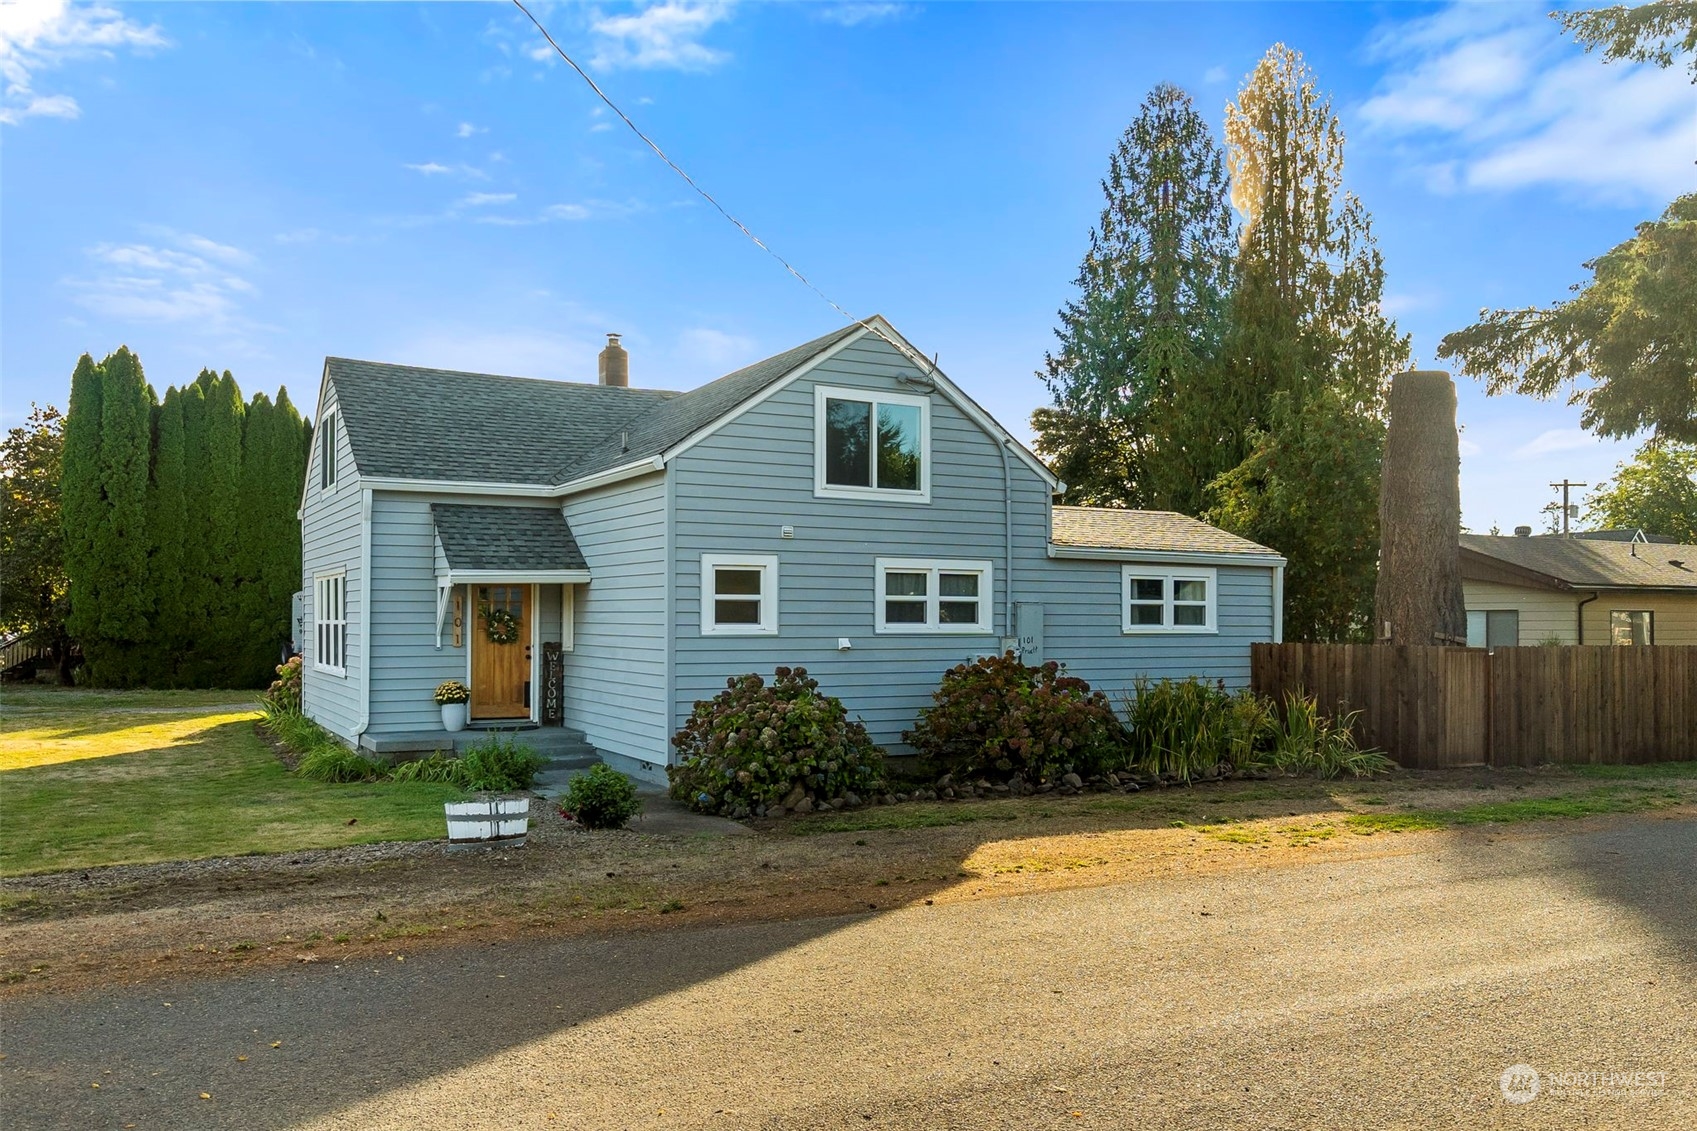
{"type": "Point", "coordinates": [1007, 538]}
{"type": "Point", "coordinates": [1279, 603]}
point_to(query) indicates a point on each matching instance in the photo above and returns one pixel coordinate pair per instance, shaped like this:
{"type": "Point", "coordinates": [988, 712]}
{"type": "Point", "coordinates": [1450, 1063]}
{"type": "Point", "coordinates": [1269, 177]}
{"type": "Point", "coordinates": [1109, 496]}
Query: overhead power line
{"type": "Point", "coordinates": [707, 196]}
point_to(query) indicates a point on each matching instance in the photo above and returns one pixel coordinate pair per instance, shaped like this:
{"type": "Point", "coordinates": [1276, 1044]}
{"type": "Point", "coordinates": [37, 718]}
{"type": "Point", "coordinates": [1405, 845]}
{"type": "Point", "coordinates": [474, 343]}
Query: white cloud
{"type": "Point", "coordinates": [479, 199]}
{"type": "Point", "coordinates": [468, 130]}
{"type": "Point", "coordinates": [566, 212]}
{"type": "Point", "coordinates": [436, 169]}
{"type": "Point", "coordinates": [42, 35]}
{"type": "Point", "coordinates": [189, 283]}
{"type": "Point", "coordinates": [714, 348]}
{"type": "Point", "coordinates": [661, 36]}
{"type": "Point", "coordinates": [1494, 97]}
{"type": "Point", "coordinates": [856, 14]}
{"type": "Point", "coordinates": [1214, 74]}
{"type": "Point", "coordinates": [1555, 440]}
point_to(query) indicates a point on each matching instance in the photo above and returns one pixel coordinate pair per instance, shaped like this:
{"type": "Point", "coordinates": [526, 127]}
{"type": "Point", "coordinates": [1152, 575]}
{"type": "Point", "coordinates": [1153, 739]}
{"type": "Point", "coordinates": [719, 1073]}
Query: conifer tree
{"type": "Point", "coordinates": [80, 497]}
{"type": "Point", "coordinates": [1145, 330]}
{"type": "Point", "coordinates": [122, 589]}
{"type": "Point", "coordinates": [168, 526]}
{"type": "Point", "coordinates": [196, 597]}
{"type": "Point", "coordinates": [221, 486]}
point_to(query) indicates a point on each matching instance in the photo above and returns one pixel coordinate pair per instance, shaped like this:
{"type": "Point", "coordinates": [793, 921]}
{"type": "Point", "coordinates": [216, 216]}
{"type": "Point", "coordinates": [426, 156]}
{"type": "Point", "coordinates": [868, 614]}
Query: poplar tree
{"type": "Point", "coordinates": [1144, 332]}
{"type": "Point", "coordinates": [1308, 354]}
{"type": "Point", "coordinates": [80, 498]}
{"type": "Point", "coordinates": [168, 525]}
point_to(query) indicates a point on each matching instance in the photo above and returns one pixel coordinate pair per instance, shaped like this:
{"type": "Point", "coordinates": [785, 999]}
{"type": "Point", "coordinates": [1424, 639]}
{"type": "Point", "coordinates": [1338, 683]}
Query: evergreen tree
{"type": "Point", "coordinates": [221, 486]}
{"type": "Point", "coordinates": [32, 540]}
{"type": "Point", "coordinates": [168, 525]}
{"type": "Point", "coordinates": [1144, 332]}
{"type": "Point", "coordinates": [1307, 356]}
{"type": "Point", "coordinates": [282, 574]}
{"type": "Point", "coordinates": [196, 597]}
{"type": "Point", "coordinates": [80, 497]}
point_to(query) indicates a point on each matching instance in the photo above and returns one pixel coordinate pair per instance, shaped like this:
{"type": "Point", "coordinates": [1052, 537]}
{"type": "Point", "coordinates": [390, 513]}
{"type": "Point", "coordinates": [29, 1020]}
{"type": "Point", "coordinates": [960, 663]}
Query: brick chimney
{"type": "Point", "coordinates": [615, 364]}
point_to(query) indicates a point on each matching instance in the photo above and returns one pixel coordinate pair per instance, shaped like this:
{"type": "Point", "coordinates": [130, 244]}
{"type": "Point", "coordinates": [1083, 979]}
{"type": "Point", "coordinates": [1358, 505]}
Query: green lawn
{"type": "Point", "coordinates": [107, 777]}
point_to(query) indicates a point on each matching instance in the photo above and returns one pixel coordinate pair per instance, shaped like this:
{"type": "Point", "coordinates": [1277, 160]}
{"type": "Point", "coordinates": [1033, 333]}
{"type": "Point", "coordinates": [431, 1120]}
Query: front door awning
{"type": "Point", "coordinates": [506, 545]}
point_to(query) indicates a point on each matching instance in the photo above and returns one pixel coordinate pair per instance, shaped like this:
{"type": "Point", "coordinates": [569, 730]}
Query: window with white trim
{"type": "Point", "coordinates": [1168, 600]}
{"type": "Point", "coordinates": [1632, 626]}
{"type": "Point", "coordinates": [739, 595]}
{"type": "Point", "coordinates": [922, 595]}
{"type": "Point", "coordinates": [330, 620]}
{"type": "Point", "coordinates": [327, 452]}
{"type": "Point", "coordinates": [871, 445]}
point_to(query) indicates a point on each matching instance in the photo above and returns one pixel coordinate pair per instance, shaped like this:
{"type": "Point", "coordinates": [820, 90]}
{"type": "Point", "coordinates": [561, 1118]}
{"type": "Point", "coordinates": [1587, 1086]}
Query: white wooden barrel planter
{"type": "Point", "coordinates": [502, 821]}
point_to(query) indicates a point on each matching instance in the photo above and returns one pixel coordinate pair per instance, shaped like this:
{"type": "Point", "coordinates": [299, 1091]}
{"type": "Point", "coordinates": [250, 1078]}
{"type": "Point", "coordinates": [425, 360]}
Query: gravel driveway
{"type": "Point", "coordinates": [1371, 993]}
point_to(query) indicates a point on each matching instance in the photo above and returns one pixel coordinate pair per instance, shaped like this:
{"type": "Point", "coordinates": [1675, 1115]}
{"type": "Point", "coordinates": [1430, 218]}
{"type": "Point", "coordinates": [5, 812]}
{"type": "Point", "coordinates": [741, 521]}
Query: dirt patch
{"type": "Point", "coordinates": [70, 929]}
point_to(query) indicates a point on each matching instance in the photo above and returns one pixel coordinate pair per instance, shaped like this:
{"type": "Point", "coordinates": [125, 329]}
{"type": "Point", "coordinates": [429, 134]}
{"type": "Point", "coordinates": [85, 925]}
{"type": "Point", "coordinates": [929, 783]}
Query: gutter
{"type": "Point", "coordinates": [1579, 616]}
{"type": "Point", "coordinates": [367, 611]}
{"type": "Point", "coordinates": [1202, 557]}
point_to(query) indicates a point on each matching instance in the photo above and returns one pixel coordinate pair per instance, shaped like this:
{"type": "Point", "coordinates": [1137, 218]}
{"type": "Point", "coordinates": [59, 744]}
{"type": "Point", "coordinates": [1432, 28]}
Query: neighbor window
{"type": "Point", "coordinates": [930, 596]}
{"type": "Point", "coordinates": [330, 616]}
{"type": "Point", "coordinates": [1168, 600]}
{"type": "Point", "coordinates": [327, 451]}
{"type": "Point", "coordinates": [871, 445]}
{"type": "Point", "coordinates": [739, 595]}
{"type": "Point", "coordinates": [1632, 627]}
{"type": "Point", "coordinates": [1493, 628]}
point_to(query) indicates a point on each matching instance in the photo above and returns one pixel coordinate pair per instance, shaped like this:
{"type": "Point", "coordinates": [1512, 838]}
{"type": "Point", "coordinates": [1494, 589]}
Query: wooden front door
{"type": "Point", "coordinates": [500, 673]}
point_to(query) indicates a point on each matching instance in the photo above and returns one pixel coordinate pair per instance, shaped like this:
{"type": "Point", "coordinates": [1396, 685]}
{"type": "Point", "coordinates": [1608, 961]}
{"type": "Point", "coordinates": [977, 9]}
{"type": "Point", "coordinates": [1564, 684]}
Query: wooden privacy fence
{"type": "Point", "coordinates": [1432, 707]}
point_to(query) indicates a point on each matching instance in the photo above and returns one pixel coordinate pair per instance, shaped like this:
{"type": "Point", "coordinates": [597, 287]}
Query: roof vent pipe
{"type": "Point", "coordinates": [1523, 532]}
{"type": "Point", "coordinates": [615, 364]}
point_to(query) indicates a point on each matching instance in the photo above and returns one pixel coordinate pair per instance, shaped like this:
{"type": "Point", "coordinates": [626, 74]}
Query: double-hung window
{"type": "Point", "coordinates": [739, 595]}
{"type": "Point", "coordinates": [1168, 600]}
{"type": "Point", "coordinates": [327, 452]}
{"type": "Point", "coordinates": [330, 618]}
{"type": "Point", "coordinates": [921, 595]}
{"type": "Point", "coordinates": [871, 445]}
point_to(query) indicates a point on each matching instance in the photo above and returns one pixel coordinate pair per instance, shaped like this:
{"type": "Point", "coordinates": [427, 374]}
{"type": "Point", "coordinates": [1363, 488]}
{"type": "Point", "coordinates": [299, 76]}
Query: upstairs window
{"type": "Point", "coordinates": [1632, 627]}
{"type": "Point", "coordinates": [872, 445]}
{"type": "Point", "coordinates": [1168, 600]}
{"type": "Point", "coordinates": [330, 617]}
{"type": "Point", "coordinates": [931, 596]}
{"type": "Point", "coordinates": [327, 452]}
{"type": "Point", "coordinates": [739, 595]}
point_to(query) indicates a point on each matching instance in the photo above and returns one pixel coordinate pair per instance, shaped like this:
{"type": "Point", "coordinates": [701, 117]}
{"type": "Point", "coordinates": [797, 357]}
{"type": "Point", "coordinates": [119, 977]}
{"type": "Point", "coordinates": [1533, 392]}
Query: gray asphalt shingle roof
{"type": "Point", "coordinates": [1110, 528]}
{"type": "Point", "coordinates": [520, 539]}
{"type": "Point", "coordinates": [1592, 561]}
{"type": "Point", "coordinates": [407, 422]}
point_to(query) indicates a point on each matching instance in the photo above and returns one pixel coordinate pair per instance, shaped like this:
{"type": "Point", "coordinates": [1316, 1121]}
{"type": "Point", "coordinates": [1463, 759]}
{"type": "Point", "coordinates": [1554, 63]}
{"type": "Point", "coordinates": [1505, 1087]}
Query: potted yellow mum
{"type": "Point", "coordinates": [452, 696]}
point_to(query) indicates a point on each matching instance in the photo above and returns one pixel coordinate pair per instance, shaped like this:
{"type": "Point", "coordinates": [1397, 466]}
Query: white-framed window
{"type": "Point", "coordinates": [871, 445]}
{"type": "Point", "coordinates": [924, 595]}
{"type": "Point", "coordinates": [1632, 626]}
{"type": "Point", "coordinates": [330, 622]}
{"type": "Point", "coordinates": [327, 452]}
{"type": "Point", "coordinates": [1168, 599]}
{"type": "Point", "coordinates": [739, 595]}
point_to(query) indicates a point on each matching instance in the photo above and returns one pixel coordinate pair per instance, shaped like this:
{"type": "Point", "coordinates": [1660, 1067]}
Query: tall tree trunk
{"type": "Point", "coordinates": [1418, 600]}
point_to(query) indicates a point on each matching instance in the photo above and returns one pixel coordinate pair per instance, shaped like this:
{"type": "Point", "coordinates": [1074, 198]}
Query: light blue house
{"type": "Point", "coordinates": [602, 557]}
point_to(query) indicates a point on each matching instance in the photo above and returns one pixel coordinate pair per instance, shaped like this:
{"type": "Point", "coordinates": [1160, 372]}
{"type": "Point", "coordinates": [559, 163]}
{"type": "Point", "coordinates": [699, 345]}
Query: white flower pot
{"type": "Point", "coordinates": [453, 717]}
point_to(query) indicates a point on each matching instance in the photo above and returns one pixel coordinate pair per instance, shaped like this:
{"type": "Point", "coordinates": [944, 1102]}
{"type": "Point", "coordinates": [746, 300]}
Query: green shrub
{"type": "Point", "coordinates": [998, 717]}
{"type": "Point", "coordinates": [1187, 727]}
{"type": "Point", "coordinates": [1306, 741]}
{"type": "Point", "coordinates": [499, 764]}
{"type": "Point", "coordinates": [283, 697]}
{"type": "Point", "coordinates": [602, 798]}
{"type": "Point", "coordinates": [751, 745]}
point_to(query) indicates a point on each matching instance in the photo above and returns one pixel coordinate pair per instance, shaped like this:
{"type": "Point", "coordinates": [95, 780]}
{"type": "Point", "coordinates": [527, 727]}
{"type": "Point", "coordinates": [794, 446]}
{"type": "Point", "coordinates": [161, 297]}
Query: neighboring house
{"type": "Point", "coordinates": [1567, 589]}
{"type": "Point", "coordinates": [841, 506]}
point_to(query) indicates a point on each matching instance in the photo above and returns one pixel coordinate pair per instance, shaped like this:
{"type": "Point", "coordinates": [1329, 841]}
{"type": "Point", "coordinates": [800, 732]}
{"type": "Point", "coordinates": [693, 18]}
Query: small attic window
{"type": "Point", "coordinates": [327, 452]}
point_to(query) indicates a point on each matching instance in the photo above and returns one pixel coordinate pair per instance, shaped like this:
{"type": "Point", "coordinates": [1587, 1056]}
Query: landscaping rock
{"type": "Point", "coordinates": [794, 797]}
{"type": "Point", "coordinates": [945, 781]}
{"type": "Point", "coordinates": [852, 800]}
{"type": "Point", "coordinates": [1073, 780]}
{"type": "Point", "coordinates": [802, 806]}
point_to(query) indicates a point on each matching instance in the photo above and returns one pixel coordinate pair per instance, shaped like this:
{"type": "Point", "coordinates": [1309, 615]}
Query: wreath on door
{"type": "Point", "coordinates": [500, 626]}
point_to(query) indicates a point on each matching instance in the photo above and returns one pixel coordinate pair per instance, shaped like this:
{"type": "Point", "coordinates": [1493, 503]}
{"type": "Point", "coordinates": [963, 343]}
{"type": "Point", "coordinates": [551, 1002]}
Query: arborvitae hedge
{"type": "Point", "coordinates": [182, 546]}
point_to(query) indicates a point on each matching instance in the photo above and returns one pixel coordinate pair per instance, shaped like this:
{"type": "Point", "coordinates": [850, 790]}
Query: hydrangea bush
{"type": "Point", "coordinates": [998, 717]}
{"type": "Point", "coordinates": [757, 745]}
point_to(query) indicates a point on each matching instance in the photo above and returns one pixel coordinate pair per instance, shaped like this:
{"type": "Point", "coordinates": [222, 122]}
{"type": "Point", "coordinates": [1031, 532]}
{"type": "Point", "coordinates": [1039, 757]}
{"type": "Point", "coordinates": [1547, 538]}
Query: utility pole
{"type": "Point", "coordinates": [1566, 507]}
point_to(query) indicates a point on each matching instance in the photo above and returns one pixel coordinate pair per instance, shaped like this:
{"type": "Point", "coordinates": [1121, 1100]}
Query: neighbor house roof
{"type": "Point", "coordinates": [404, 422]}
{"type": "Point", "coordinates": [1110, 528]}
{"type": "Point", "coordinates": [1584, 563]}
{"type": "Point", "coordinates": [516, 539]}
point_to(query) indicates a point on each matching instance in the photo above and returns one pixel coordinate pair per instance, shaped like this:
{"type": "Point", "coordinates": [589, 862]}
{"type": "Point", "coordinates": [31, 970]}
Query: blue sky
{"type": "Point", "coordinates": [253, 186]}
